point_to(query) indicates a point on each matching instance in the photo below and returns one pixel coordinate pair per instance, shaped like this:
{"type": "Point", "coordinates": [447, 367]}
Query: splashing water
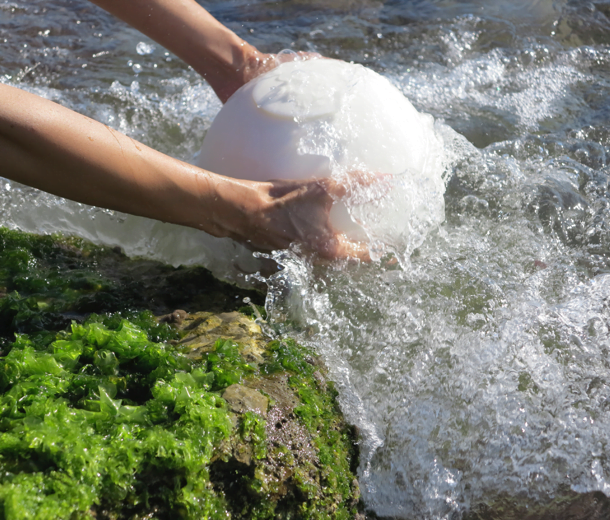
{"type": "Point", "coordinates": [477, 369]}
{"type": "Point", "coordinates": [481, 369]}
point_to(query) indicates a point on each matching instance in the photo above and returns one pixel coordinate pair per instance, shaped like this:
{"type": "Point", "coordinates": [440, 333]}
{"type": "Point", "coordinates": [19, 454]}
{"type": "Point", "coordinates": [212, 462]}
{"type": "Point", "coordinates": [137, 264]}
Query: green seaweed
{"type": "Point", "coordinates": [87, 419]}
{"type": "Point", "coordinates": [48, 281]}
{"type": "Point", "coordinates": [227, 365]}
{"type": "Point", "coordinates": [253, 429]}
{"type": "Point", "coordinates": [102, 419]}
{"type": "Point", "coordinates": [331, 436]}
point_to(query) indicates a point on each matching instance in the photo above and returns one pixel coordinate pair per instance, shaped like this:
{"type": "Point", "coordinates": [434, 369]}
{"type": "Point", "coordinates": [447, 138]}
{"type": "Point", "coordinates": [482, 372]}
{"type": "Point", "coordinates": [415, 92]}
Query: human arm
{"type": "Point", "coordinates": [52, 148]}
{"type": "Point", "coordinates": [194, 35]}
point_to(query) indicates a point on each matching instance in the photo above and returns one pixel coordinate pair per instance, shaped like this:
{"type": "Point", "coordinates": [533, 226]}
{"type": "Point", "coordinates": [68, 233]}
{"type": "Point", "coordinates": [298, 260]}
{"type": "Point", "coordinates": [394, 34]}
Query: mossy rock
{"type": "Point", "coordinates": [117, 414]}
{"type": "Point", "coordinates": [99, 421]}
{"type": "Point", "coordinates": [46, 282]}
{"type": "Point", "coordinates": [305, 467]}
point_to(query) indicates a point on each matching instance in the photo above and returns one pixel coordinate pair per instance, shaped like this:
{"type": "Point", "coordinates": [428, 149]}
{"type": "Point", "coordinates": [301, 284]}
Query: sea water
{"type": "Point", "coordinates": [478, 365]}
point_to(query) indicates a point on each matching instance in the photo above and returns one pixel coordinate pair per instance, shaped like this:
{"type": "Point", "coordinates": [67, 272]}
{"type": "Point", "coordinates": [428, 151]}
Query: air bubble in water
{"type": "Point", "coordinates": [144, 48]}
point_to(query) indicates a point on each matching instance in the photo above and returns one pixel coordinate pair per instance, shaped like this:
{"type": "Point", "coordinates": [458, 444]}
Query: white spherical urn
{"type": "Point", "coordinates": [318, 118]}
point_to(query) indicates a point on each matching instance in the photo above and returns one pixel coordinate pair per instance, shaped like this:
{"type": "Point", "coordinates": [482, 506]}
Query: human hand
{"type": "Point", "coordinates": [254, 63]}
{"type": "Point", "coordinates": [272, 215]}
{"type": "Point", "coordinates": [52, 148]}
{"type": "Point", "coordinates": [260, 63]}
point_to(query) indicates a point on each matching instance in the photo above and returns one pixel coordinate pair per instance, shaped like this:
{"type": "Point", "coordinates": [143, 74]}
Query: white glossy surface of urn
{"type": "Point", "coordinates": [318, 118]}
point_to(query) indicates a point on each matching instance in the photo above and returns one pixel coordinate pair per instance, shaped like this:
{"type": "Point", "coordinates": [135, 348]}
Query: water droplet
{"type": "Point", "coordinates": [144, 48]}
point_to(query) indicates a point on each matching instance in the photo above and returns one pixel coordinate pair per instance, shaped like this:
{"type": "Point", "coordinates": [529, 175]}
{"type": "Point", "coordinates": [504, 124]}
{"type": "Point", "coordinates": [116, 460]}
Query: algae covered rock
{"type": "Point", "coordinates": [305, 464]}
{"type": "Point", "coordinates": [101, 421]}
{"type": "Point", "coordinates": [46, 282]}
{"type": "Point", "coordinates": [124, 415]}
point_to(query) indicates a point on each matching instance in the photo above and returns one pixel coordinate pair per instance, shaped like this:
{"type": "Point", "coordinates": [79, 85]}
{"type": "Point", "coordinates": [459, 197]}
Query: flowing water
{"type": "Point", "coordinates": [480, 367]}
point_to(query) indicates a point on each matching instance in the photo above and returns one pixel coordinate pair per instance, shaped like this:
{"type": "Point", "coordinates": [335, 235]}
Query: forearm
{"type": "Point", "coordinates": [59, 151]}
{"type": "Point", "coordinates": [52, 148]}
{"type": "Point", "coordinates": [190, 32]}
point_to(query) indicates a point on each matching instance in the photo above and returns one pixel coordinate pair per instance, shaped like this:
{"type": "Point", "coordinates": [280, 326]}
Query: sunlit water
{"type": "Point", "coordinates": [481, 367]}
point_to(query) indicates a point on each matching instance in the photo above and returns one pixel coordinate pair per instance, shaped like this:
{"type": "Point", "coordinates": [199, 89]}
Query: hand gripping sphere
{"type": "Point", "coordinates": [317, 118]}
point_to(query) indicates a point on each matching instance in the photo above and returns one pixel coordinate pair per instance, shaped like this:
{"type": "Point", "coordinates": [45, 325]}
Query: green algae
{"type": "Point", "coordinates": [227, 365]}
{"type": "Point", "coordinates": [86, 420]}
{"type": "Point", "coordinates": [335, 488]}
{"type": "Point", "coordinates": [101, 421]}
{"type": "Point", "coordinates": [48, 281]}
{"type": "Point", "coordinates": [253, 429]}
{"type": "Point", "coordinates": [111, 416]}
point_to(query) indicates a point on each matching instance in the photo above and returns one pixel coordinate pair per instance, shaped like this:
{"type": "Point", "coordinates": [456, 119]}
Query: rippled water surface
{"type": "Point", "coordinates": [482, 368]}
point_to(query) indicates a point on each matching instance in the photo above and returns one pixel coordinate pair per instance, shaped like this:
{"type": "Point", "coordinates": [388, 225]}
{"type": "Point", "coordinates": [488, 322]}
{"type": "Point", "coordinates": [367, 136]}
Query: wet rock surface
{"type": "Point", "coordinates": [290, 473]}
{"type": "Point", "coordinates": [202, 330]}
{"type": "Point", "coordinates": [46, 282]}
{"type": "Point", "coordinates": [242, 399]}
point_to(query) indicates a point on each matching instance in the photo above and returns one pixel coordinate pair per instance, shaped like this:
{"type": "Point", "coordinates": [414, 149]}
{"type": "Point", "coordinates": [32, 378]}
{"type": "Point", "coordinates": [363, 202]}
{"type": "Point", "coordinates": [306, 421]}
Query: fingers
{"type": "Point", "coordinates": [336, 188]}
{"type": "Point", "coordinates": [357, 183]}
{"type": "Point", "coordinates": [341, 248]}
{"type": "Point", "coordinates": [262, 63]}
{"type": "Point", "coordinates": [281, 187]}
{"type": "Point", "coordinates": [309, 201]}
{"type": "Point", "coordinates": [306, 204]}
{"type": "Point", "coordinates": [289, 55]}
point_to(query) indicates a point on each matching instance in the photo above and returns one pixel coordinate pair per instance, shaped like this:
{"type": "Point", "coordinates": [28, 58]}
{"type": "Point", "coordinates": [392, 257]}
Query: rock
{"type": "Point", "coordinates": [271, 440]}
{"type": "Point", "coordinates": [286, 467]}
{"type": "Point", "coordinates": [567, 505]}
{"type": "Point", "coordinates": [243, 453]}
{"type": "Point", "coordinates": [177, 317]}
{"type": "Point", "coordinates": [276, 387]}
{"type": "Point", "coordinates": [202, 329]}
{"type": "Point", "coordinates": [243, 399]}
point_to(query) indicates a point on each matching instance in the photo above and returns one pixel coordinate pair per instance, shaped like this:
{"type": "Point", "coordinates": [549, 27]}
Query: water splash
{"type": "Point", "coordinates": [475, 371]}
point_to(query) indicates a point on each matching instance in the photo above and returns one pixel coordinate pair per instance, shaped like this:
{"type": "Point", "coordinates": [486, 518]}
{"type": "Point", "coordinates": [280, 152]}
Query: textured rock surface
{"type": "Point", "coordinates": [568, 505]}
{"type": "Point", "coordinates": [291, 473]}
{"type": "Point", "coordinates": [242, 399]}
